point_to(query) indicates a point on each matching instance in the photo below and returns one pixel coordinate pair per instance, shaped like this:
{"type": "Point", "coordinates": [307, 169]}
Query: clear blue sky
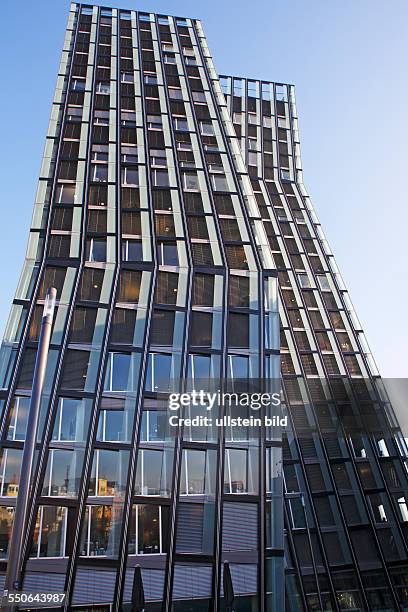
{"type": "Point", "coordinates": [347, 59]}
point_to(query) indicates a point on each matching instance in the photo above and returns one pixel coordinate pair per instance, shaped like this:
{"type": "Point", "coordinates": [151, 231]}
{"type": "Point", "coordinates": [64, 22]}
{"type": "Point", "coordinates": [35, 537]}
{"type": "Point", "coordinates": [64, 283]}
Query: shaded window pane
{"type": "Point", "coordinates": [238, 330]}
{"type": "Point", "coordinates": [75, 369]}
{"type": "Point", "coordinates": [166, 288]}
{"type": "Point", "coordinates": [129, 286]}
{"type": "Point", "coordinates": [203, 290]}
{"type": "Point", "coordinates": [162, 327]}
{"type": "Point", "coordinates": [123, 326]}
{"type": "Point", "coordinates": [238, 291]}
{"type": "Point", "coordinates": [50, 532]}
{"type": "Point", "coordinates": [83, 325]}
{"type": "Point", "coordinates": [201, 329]}
{"type": "Point", "coordinates": [91, 284]}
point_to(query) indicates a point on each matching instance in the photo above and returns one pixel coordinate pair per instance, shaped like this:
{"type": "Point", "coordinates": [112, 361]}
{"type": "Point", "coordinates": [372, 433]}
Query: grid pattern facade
{"type": "Point", "coordinates": [345, 483]}
{"type": "Point", "coordinates": [146, 223]}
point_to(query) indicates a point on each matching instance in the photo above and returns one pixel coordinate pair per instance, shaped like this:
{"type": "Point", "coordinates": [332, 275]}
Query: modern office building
{"type": "Point", "coordinates": [172, 219]}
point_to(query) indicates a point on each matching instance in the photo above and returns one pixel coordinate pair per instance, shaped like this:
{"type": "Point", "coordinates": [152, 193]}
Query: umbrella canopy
{"type": "Point", "coordinates": [138, 598]}
{"type": "Point", "coordinates": [228, 588]}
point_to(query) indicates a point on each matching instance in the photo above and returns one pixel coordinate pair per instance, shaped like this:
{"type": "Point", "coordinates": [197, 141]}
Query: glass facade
{"type": "Point", "coordinates": [172, 219]}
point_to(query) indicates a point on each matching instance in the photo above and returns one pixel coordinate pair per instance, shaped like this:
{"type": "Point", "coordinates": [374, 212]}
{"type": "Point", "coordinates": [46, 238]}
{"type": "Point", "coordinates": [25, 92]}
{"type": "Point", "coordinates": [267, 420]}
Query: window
{"type": "Point", "coordinates": [238, 367]}
{"type": "Point", "coordinates": [100, 532]}
{"type": "Point", "coordinates": [201, 329]}
{"type": "Point", "coordinates": [155, 426]}
{"type": "Point", "coordinates": [103, 88]}
{"type": "Point", "coordinates": [114, 421]}
{"type": "Point", "coordinates": [72, 419]}
{"type": "Point", "coordinates": [236, 257]}
{"type": "Point", "coordinates": [202, 254]}
{"type": "Point", "coordinates": [149, 529]}
{"type": "Point", "coordinates": [154, 122]}
{"type": "Point", "coordinates": [63, 473]}
{"type": "Point", "coordinates": [65, 194]}
{"type": "Point", "coordinates": [323, 282]}
{"type": "Point", "coordinates": [97, 221]}
{"type": "Point", "coordinates": [99, 173]}
{"type": "Point", "coordinates": [206, 128]}
{"type": "Point", "coordinates": [240, 471]}
{"type": "Point", "coordinates": [403, 508]}
{"type": "Point", "coordinates": [91, 285]}
{"type": "Point", "coordinates": [50, 532]}
{"type": "Point", "coordinates": [75, 369]}
{"type": "Point", "coordinates": [238, 330]}
{"type": "Point", "coordinates": [96, 250]}
{"type": "Point", "coordinates": [119, 372]}
{"type": "Point", "coordinates": [197, 227]}
{"type": "Point", "coordinates": [180, 123]}
{"type": "Point", "coordinates": [83, 325]}
{"type": "Point", "coordinates": [130, 176]}
{"type": "Point", "coordinates": [154, 472]}
{"type": "Point", "coordinates": [123, 326]}
{"type": "Point", "coordinates": [378, 503]}
{"type": "Point", "coordinates": [160, 178]}
{"type": "Point", "coordinates": [10, 467]}
{"type": "Point", "coordinates": [230, 230]}
{"type": "Point", "coordinates": [129, 286]}
{"type": "Point", "coordinates": [59, 247]}
{"type": "Point", "coordinates": [129, 154]}
{"type": "Point", "coordinates": [159, 372]}
{"type": "Point", "coordinates": [126, 77]}
{"type": "Point", "coordinates": [109, 473]}
{"type": "Point", "coordinates": [169, 58]}
{"type": "Point", "coordinates": [219, 182]}
{"type": "Point", "coordinates": [6, 524]}
{"type": "Point", "coordinates": [175, 93]}
{"type": "Point", "coordinates": [199, 96]}
{"type": "Point", "coordinates": [150, 79]}
{"type": "Point", "coordinates": [158, 158]}
{"type": "Point", "coordinates": [131, 223]}
{"type": "Point", "coordinates": [132, 250]}
{"type": "Point", "coordinates": [98, 195]}
{"type": "Point", "coordinates": [252, 158]}
{"type": "Point", "coordinates": [17, 423]}
{"type": "Point", "coordinates": [190, 181]}
{"type": "Point", "coordinates": [203, 290]}
{"type": "Point", "coordinates": [101, 117]}
{"type": "Point", "coordinates": [238, 291]}
{"type": "Point", "coordinates": [198, 472]}
{"type": "Point", "coordinates": [162, 327]}
{"type": "Point", "coordinates": [191, 61]}
{"type": "Point", "coordinates": [304, 281]}
{"type": "Point", "coordinates": [199, 368]}
{"type": "Point", "coordinates": [166, 288]}
{"type": "Point", "coordinates": [167, 253]}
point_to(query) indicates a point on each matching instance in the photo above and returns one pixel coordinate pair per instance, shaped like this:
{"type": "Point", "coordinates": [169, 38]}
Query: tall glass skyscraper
{"type": "Point", "coordinates": [172, 219]}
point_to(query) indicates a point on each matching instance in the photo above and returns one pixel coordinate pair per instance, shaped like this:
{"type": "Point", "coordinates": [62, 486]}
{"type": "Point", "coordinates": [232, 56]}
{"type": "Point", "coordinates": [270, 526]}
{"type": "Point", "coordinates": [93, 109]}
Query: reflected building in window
{"type": "Point", "coordinates": [172, 219]}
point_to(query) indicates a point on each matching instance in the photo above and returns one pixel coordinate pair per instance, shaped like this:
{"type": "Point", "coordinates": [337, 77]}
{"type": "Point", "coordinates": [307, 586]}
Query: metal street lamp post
{"type": "Point", "coordinates": [13, 576]}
